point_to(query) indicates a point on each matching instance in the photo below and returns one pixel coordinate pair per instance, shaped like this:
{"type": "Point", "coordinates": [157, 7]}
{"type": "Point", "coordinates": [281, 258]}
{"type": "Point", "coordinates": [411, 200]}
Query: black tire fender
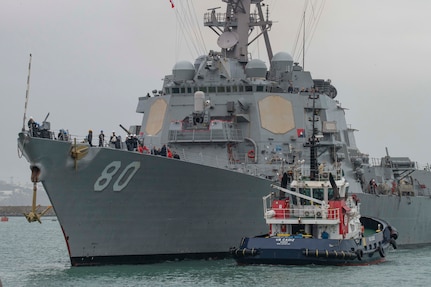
{"type": "Point", "coordinates": [382, 251]}
{"type": "Point", "coordinates": [359, 254]}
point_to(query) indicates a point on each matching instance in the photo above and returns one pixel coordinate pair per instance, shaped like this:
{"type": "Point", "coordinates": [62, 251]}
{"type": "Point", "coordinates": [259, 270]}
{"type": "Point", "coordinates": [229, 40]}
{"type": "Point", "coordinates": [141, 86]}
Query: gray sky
{"type": "Point", "coordinates": [92, 59]}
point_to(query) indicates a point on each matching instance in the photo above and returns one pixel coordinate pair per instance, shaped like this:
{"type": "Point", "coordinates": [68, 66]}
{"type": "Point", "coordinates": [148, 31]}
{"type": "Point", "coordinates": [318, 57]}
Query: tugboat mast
{"type": "Point", "coordinates": [313, 141]}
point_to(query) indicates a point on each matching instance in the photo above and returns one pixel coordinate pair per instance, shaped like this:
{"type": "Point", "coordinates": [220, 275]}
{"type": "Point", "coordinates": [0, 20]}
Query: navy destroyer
{"type": "Point", "coordinates": [236, 126]}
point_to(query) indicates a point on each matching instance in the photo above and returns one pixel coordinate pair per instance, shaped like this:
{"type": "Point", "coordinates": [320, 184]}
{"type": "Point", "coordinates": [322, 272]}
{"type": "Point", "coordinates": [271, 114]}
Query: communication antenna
{"type": "Point", "coordinates": [303, 43]}
{"type": "Point", "coordinates": [26, 94]}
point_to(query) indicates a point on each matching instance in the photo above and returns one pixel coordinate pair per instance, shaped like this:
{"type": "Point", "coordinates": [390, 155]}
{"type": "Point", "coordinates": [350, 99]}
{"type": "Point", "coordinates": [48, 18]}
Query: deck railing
{"type": "Point", "coordinates": [224, 134]}
{"type": "Point", "coordinates": [303, 212]}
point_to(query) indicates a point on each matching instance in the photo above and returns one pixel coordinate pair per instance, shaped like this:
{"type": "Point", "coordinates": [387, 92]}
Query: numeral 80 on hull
{"type": "Point", "coordinates": [111, 170]}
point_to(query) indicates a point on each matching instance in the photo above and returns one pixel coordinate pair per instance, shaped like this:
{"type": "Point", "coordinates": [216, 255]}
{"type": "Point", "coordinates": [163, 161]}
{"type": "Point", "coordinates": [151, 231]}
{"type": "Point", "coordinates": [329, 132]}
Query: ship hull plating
{"type": "Point", "coordinates": [125, 207]}
{"type": "Point", "coordinates": [118, 207]}
{"type": "Point", "coordinates": [410, 215]}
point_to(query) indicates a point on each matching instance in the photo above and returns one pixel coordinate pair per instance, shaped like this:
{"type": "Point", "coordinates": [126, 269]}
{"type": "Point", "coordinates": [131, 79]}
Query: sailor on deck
{"type": "Point", "coordinates": [373, 186]}
{"type": "Point", "coordinates": [33, 127]}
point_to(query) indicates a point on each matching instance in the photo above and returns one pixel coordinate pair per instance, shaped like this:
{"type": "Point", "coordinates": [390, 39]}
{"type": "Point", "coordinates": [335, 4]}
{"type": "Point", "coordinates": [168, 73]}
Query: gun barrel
{"type": "Point", "coordinates": [46, 118]}
{"type": "Point", "coordinates": [126, 130]}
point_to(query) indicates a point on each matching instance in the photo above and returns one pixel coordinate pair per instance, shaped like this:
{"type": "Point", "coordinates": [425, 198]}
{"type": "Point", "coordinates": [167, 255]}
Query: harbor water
{"type": "Point", "coordinates": [35, 255]}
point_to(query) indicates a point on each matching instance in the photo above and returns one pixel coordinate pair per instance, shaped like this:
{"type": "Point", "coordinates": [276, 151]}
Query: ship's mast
{"type": "Point", "coordinates": [235, 27]}
{"type": "Point", "coordinates": [265, 26]}
{"type": "Point", "coordinates": [239, 11]}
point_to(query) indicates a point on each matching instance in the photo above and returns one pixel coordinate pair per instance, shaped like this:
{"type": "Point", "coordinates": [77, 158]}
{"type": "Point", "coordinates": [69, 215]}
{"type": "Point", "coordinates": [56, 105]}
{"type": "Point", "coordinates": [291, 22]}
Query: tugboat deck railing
{"type": "Point", "coordinates": [303, 215]}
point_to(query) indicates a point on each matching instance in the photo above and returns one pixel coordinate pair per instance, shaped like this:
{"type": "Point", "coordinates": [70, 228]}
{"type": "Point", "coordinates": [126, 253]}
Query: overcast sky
{"type": "Point", "coordinates": [92, 59]}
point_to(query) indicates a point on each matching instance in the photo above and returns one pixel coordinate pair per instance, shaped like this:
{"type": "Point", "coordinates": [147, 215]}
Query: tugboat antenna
{"type": "Point", "coordinates": [26, 94]}
{"type": "Point", "coordinates": [303, 43]}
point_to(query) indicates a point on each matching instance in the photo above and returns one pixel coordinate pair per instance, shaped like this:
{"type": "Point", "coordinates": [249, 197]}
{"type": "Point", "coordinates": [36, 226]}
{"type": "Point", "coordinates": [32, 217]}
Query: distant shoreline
{"type": "Point", "coordinates": [20, 210]}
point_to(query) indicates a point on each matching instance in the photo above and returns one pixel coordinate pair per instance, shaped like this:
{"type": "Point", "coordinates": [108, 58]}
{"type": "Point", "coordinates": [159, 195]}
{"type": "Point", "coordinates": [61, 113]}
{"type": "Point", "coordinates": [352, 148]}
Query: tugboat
{"type": "Point", "coordinates": [322, 228]}
{"type": "Point", "coordinates": [316, 221]}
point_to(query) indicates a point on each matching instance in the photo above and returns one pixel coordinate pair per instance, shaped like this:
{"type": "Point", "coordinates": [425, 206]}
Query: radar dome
{"type": "Point", "coordinates": [280, 63]}
{"type": "Point", "coordinates": [183, 71]}
{"type": "Point", "coordinates": [255, 69]}
{"type": "Point", "coordinates": [282, 57]}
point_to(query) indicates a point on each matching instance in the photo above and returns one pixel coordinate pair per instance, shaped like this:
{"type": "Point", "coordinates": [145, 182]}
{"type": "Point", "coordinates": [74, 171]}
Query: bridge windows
{"type": "Point", "coordinates": [217, 89]}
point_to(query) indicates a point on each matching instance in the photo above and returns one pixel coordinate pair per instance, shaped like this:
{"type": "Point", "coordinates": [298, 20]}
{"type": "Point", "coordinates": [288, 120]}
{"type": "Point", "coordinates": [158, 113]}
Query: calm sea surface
{"type": "Point", "coordinates": [35, 255]}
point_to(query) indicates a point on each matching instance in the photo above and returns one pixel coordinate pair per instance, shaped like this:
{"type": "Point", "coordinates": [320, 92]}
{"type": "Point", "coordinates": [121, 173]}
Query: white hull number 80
{"type": "Point", "coordinates": [111, 170]}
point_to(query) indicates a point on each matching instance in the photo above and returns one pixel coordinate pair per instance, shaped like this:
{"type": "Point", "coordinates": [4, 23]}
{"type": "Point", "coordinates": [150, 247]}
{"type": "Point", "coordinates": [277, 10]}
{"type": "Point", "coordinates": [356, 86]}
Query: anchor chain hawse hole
{"type": "Point", "coordinates": [35, 172]}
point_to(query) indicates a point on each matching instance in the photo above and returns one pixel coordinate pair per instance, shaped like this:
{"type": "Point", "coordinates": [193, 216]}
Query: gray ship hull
{"type": "Point", "coordinates": [168, 209]}
{"type": "Point", "coordinates": [409, 215]}
{"type": "Point", "coordinates": [171, 209]}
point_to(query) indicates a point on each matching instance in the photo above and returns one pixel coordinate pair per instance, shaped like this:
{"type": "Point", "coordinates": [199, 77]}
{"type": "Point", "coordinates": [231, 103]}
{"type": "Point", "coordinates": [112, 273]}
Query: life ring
{"type": "Point", "coordinates": [250, 154]}
{"type": "Point", "coordinates": [381, 251]}
{"type": "Point", "coordinates": [318, 214]}
{"type": "Point", "coordinates": [307, 214]}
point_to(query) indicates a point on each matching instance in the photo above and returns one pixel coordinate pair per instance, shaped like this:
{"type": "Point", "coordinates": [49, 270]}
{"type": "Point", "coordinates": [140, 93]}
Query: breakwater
{"type": "Point", "coordinates": [20, 210]}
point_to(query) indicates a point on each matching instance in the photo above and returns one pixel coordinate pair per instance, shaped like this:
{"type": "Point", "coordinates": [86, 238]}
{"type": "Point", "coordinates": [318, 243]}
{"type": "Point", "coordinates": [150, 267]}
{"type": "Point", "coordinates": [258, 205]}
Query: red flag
{"type": "Point", "coordinates": [172, 4]}
{"type": "Point", "coordinates": [300, 133]}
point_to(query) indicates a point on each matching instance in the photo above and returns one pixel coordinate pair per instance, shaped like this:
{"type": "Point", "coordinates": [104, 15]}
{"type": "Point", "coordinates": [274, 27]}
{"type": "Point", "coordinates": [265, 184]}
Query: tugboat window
{"type": "Point", "coordinates": [318, 193]}
{"type": "Point", "coordinates": [330, 194]}
{"type": "Point", "coordinates": [305, 191]}
{"type": "Point", "coordinates": [175, 90]}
